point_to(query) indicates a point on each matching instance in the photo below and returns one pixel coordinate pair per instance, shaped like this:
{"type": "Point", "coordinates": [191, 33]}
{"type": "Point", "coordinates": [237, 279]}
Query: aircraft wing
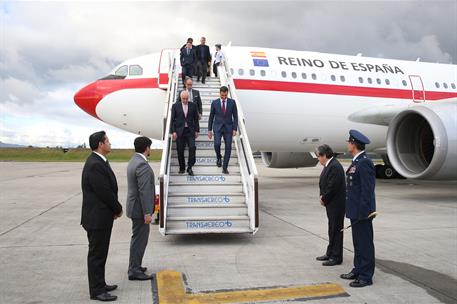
{"type": "Point", "coordinates": [383, 115]}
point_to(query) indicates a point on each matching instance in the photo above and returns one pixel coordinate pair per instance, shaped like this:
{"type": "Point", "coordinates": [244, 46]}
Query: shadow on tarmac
{"type": "Point", "coordinates": [436, 284]}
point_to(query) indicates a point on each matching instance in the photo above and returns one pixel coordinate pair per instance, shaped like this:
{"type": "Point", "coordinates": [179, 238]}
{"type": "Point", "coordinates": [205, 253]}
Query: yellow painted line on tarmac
{"type": "Point", "coordinates": [171, 290]}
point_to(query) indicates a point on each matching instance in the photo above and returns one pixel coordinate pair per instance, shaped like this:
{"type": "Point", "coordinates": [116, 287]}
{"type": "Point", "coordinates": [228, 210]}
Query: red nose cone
{"type": "Point", "coordinates": [87, 99]}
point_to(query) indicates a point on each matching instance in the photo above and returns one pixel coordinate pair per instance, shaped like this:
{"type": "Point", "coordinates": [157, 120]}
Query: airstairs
{"type": "Point", "coordinates": [209, 201]}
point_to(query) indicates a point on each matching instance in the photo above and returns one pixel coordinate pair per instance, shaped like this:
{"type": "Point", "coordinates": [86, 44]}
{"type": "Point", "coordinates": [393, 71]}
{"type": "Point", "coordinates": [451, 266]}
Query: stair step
{"type": "Point", "coordinates": [207, 210]}
{"type": "Point", "coordinates": [206, 152]}
{"type": "Point", "coordinates": [204, 188]}
{"type": "Point", "coordinates": [207, 170]}
{"type": "Point", "coordinates": [205, 231]}
{"type": "Point", "coordinates": [205, 198]}
{"type": "Point", "coordinates": [204, 143]}
{"type": "Point", "coordinates": [205, 179]}
{"type": "Point", "coordinates": [206, 161]}
{"type": "Point", "coordinates": [208, 224]}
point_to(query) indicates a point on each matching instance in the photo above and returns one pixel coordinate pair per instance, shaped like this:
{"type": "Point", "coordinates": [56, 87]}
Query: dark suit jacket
{"type": "Point", "coordinates": [332, 186]}
{"type": "Point", "coordinates": [178, 120]}
{"type": "Point", "coordinates": [220, 121]}
{"type": "Point", "coordinates": [195, 99]}
{"type": "Point", "coordinates": [203, 50]}
{"type": "Point", "coordinates": [99, 187]}
{"type": "Point", "coordinates": [188, 59]}
{"type": "Point", "coordinates": [361, 180]}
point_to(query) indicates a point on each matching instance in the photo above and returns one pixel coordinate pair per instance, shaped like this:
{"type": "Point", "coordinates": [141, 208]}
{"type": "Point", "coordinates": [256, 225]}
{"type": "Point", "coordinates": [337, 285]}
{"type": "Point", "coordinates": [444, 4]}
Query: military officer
{"type": "Point", "coordinates": [360, 202]}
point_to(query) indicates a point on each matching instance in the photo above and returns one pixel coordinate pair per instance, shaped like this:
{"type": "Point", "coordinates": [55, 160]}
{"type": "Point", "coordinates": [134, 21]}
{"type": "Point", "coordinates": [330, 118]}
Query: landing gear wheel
{"type": "Point", "coordinates": [388, 172]}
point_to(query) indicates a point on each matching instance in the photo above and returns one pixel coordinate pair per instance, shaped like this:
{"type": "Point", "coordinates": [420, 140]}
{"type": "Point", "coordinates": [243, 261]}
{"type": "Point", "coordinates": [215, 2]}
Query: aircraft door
{"type": "Point", "coordinates": [164, 67]}
{"type": "Point", "coordinates": [417, 87]}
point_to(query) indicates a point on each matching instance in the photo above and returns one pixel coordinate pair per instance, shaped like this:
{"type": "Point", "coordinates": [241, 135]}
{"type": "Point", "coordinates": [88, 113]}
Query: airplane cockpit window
{"type": "Point", "coordinates": [369, 80]}
{"type": "Point", "coordinates": [232, 71]}
{"type": "Point", "coordinates": [404, 82]}
{"type": "Point", "coordinates": [294, 75]}
{"type": "Point", "coordinates": [387, 81]}
{"type": "Point", "coordinates": [240, 72]}
{"type": "Point", "coordinates": [135, 70]}
{"type": "Point", "coordinates": [445, 85]}
{"type": "Point", "coordinates": [313, 76]}
{"type": "Point", "coordinates": [303, 75]}
{"type": "Point", "coordinates": [333, 78]}
{"type": "Point", "coordinates": [342, 78]}
{"type": "Point", "coordinates": [251, 72]}
{"type": "Point", "coordinates": [283, 74]}
{"type": "Point", "coordinates": [122, 71]}
{"type": "Point", "coordinates": [262, 72]}
{"type": "Point", "coordinates": [360, 79]}
{"type": "Point", "coordinates": [453, 85]}
{"type": "Point", "coordinates": [437, 85]}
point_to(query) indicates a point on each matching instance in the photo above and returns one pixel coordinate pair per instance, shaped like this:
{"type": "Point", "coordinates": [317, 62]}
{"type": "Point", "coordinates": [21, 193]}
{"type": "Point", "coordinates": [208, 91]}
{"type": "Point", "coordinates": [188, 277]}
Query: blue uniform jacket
{"type": "Point", "coordinates": [360, 188]}
{"type": "Point", "coordinates": [218, 121]}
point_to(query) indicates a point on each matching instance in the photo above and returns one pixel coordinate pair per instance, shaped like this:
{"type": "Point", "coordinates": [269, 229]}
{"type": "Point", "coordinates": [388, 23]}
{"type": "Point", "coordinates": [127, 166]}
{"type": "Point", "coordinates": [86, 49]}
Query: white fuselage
{"type": "Point", "coordinates": [285, 110]}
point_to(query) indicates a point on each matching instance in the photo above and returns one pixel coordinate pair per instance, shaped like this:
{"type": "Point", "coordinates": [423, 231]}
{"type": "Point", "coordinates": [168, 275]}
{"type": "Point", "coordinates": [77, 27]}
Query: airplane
{"type": "Point", "coordinates": [294, 101]}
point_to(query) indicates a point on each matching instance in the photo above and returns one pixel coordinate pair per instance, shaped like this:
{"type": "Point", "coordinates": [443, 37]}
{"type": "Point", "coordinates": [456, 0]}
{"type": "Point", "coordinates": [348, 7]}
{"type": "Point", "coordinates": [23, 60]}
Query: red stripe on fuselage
{"type": "Point", "coordinates": [318, 88]}
{"type": "Point", "coordinates": [88, 97]}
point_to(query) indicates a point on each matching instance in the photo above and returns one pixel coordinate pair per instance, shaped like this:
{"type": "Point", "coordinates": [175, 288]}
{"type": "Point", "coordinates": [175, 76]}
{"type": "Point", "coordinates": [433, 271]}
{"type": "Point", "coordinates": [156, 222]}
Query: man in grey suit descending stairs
{"type": "Point", "coordinates": [140, 205]}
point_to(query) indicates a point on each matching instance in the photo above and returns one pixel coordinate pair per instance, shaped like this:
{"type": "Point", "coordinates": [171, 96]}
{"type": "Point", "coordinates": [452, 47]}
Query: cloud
{"type": "Point", "coordinates": [48, 50]}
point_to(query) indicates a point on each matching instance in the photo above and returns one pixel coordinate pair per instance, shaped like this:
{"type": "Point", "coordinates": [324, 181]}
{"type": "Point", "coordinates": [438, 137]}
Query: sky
{"type": "Point", "coordinates": [49, 50]}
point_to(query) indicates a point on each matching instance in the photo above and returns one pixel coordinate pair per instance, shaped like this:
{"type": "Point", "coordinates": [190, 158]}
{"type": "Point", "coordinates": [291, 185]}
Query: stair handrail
{"type": "Point", "coordinates": [164, 175]}
{"type": "Point", "coordinates": [244, 150]}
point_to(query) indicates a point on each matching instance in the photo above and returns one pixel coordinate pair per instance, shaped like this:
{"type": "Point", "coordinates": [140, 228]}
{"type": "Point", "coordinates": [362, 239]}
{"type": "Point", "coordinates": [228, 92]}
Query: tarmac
{"type": "Point", "coordinates": [43, 248]}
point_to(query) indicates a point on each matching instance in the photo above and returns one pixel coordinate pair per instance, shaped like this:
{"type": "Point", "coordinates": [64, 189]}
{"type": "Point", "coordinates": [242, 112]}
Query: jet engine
{"type": "Point", "coordinates": [288, 159]}
{"type": "Point", "coordinates": [421, 141]}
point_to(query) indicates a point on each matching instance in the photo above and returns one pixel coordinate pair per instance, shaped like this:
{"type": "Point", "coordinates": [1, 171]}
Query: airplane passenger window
{"type": "Point", "coordinates": [333, 77]}
{"type": "Point", "coordinates": [135, 70]}
{"type": "Point", "coordinates": [313, 76]}
{"type": "Point", "coordinates": [122, 71]}
{"type": "Point", "coordinates": [342, 78]}
{"type": "Point", "coordinates": [437, 85]}
{"type": "Point", "coordinates": [453, 85]}
{"type": "Point", "coordinates": [240, 72]}
{"type": "Point", "coordinates": [369, 80]}
{"type": "Point", "coordinates": [283, 74]}
{"type": "Point", "coordinates": [251, 72]}
{"type": "Point", "coordinates": [445, 85]}
{"type": "Point", "coordinates": [378, 80]}
{"type": "Point", "coordinates": [387, 81]}
{"type": "Point", "coordinates": [262, 72]}
{"type": "Point", "coordinates": [404, 82]}
{"type": "Point", "coordinates": [303, 75]}
{"type": "Point", "coordinates": [360, 79]}
{"type": "Point", "coordinates": [294, 75]}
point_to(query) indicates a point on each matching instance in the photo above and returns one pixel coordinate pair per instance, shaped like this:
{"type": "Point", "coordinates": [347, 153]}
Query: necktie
{"type": "Point", "coordinates": [187, 51]}
{"type": "Point", "coordinates": [223, 106]}
{"type": "Point", "coordinates": [190, 95]}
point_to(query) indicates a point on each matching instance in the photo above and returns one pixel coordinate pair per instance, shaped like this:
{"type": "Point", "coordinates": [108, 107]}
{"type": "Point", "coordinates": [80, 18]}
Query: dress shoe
{"type": "Point", "coordinates": [189, 170]}
{"type": "Point", "coordinates": [181, 171]}
{"type": "Point", "coordinates": [110, 287]}
{"type": "Point", "coordinates": [323, 258]}
{"type": "Point", "coordinates": [203, 81]}
{"type": "Point", "coordinates": [332, 262]}
{"type": "Point", "coordinates": [143, 269]}
{"type": "Point", "coordinates": [349, 276]}
{"type": "Point", "coordinates": [104, 297]}
{"type": "Point", "coordinates": [219, 162]}
{"type": "Point", "coordinates": [140, 277]}
{"type": "Point", "coordinates": [359, 283]}
{"type": "Point", "coordinates": [225, 171]}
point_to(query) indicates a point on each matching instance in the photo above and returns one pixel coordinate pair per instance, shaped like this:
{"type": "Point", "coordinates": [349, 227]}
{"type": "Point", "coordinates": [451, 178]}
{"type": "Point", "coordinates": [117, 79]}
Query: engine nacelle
{"type": "Point", "coordinates": [421, 141]}
{"type": "Point", "coordinates": [288, 159]}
